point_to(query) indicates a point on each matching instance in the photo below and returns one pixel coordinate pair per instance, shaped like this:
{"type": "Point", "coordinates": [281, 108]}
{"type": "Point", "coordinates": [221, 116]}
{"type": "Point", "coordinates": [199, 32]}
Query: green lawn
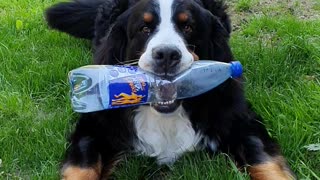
{"type": "Point", "coordinates": [278, 44]}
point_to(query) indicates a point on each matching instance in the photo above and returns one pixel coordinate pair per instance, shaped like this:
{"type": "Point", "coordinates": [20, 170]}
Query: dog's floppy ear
{"type": "Point", "coordinates": [110, 33]}
{"type": "Point", "coordinates": [75, 17]}
{"type": "Point", "coordinates": [219, 38]}
{"type": "Point", "coordinates": [220, 30]}
{"type": "Point", "coordinates": [218, 9]}
{"type": "Point", "coordinates": [107, 14]}
{"type": "Point", "coordinates": [79, 17]}
{"type": "Point", "coordinates": [112, 48]}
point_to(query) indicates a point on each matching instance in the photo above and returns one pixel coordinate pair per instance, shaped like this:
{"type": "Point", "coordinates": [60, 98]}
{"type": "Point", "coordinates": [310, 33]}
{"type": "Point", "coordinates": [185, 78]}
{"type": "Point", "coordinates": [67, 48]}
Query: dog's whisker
{"type": "Point", "coordinates": [127, 62]}
{"type": "Point", "coordinates": [132, 63]}
{"type": "Point", "coordinates": [132, 60]}
{"type": "Point", "coordinates": [119, 62]}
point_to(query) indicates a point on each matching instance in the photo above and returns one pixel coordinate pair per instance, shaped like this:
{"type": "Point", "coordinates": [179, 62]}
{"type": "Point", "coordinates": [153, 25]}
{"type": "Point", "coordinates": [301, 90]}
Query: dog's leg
{"type": "Point", "coordinates": [95, 146]}
{"type": "Point", "coordinates": [263, 163]}
{"type": "Point", "coordinates": [248, 142]}
{"type": "Point", "coordinates": [263, 158]}
{"type": "Point", "coordinates": [274, 168]}
{"type": "Point", "coordinates": [83, 160]}
{"type": "Point", "coordinates": [251, 145]}
{"type": "Point", "coordinates": [94, 171]}
{"type": "Point", "coordinates": [73, 172]}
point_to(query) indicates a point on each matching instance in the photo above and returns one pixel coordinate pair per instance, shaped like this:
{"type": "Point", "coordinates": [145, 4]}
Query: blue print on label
{"type": "Point", "coordinates": [122, 69]}
{"type": "Point", "coordinates": [114, 73]}
{"type": "Point", "coordinates": [128, 91]}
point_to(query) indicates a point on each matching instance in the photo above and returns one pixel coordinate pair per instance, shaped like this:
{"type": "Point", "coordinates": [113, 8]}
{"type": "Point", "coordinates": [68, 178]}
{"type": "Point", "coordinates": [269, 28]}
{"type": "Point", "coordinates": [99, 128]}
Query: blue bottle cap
{"type": "Point", "coordinates": [236, 69]}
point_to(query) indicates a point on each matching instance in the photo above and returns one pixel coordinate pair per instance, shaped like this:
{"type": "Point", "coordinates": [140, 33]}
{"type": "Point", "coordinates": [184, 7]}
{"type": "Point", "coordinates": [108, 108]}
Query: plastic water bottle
{"type": "Point", "coordinates": [99, 87]}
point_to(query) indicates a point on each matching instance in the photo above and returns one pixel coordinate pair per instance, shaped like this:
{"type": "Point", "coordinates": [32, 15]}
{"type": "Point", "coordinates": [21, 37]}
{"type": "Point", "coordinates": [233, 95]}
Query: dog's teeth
{"type": "Point", "coordinates": [165, 102]}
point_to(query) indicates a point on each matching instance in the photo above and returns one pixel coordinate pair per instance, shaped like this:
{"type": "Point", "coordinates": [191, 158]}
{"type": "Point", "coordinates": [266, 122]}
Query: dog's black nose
{"type": "Point", "coordinates": [166, 57]}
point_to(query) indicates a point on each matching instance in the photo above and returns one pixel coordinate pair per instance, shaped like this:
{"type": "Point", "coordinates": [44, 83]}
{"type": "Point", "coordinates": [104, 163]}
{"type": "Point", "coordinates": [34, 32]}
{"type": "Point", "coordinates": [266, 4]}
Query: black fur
{"type": "Point", "coordinates": [76, 18]}
{"type": "Point", "coordinates": [222, 114]}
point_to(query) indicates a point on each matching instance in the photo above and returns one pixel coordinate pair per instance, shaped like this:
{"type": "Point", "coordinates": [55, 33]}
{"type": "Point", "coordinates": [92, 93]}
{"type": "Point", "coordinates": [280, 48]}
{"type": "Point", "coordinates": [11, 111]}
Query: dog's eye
{"type": "Point", "coordinates": [146, 30]}
{"type": "Point", "coordinates": [187, 29]}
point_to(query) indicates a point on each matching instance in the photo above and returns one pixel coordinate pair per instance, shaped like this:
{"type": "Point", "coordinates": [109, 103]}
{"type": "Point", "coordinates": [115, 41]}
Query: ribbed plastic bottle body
{"type": "Point", "coordinates": [202, 77]}
{"type": "Point", "coordinates": [99, 87]}
{"type": "Point", "coordinates": [95, 88]}
{"type": "Point", "coordinates": [85, 88]}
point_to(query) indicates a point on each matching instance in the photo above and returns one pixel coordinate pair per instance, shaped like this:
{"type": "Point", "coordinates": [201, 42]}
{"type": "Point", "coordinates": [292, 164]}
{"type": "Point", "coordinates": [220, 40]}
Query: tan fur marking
{"type": "Point", "coordinates": [195, 57]}
{"type": "Point", "coordinates": [183, 17]}
{"type": "Point", "coordinates": [276, 169]}
{"type": "Point", "coordinates": [283, 164]}
{"type": "Point", "coordinates": [147, 17]}
{"type": "Point", "coordinates": [77, 173]}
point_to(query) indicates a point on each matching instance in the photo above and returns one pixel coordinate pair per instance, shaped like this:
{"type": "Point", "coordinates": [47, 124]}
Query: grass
{"type": "Point", "coordinates": [280, 52]}
{"type": "Point", "coordinates": [244, 5]}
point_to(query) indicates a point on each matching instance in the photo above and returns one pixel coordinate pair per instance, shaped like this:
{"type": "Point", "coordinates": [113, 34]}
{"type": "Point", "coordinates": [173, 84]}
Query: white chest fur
{"type": "Point", "coordinates": [165, 136]}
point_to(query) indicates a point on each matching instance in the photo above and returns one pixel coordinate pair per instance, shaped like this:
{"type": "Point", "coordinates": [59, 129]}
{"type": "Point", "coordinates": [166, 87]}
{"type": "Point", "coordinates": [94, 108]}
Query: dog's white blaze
{"type": "Point", "coordinates": [166, 35]}
{"type": "Point", "coordinates": [165, 136]}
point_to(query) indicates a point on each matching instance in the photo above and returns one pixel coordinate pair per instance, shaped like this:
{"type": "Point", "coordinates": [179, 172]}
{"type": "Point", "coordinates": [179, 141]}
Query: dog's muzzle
{"type": "Point", "coordinates": [166, 60]}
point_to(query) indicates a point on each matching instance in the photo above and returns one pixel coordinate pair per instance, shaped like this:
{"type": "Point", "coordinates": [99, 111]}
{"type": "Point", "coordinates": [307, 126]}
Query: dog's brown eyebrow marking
{"type": "Point", "coordinates": [147, 17]}
{"type": "Point", "coordinates": [183, 17]}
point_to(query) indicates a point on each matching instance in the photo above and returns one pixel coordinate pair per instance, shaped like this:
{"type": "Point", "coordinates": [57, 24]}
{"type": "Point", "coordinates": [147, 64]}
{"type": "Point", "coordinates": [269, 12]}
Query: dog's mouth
{"type": "Point", "coordinates": [166, 106]}
{"type": "Point", "coordinates": [166, 94]}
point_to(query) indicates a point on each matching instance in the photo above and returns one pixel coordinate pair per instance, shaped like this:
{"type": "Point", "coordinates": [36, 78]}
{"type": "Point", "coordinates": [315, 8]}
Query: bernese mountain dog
{"type": "Point", "coordinates": [163, 37]}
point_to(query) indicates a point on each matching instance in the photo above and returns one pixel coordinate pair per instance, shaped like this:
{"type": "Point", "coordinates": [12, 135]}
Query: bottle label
{"type": "Point", "coordinates": [128, 90]}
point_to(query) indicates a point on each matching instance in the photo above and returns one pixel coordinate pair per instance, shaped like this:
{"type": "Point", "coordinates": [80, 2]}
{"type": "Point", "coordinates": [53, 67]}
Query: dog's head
{"type": "Point", "coordinates": [163, 37]}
